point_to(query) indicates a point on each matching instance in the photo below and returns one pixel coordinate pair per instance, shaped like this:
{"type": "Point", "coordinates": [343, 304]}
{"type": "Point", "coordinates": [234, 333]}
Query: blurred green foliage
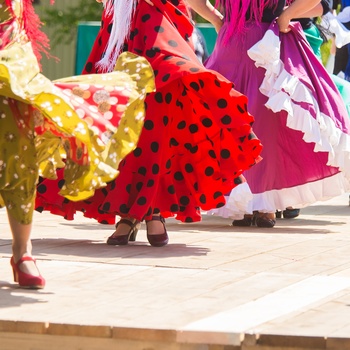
{"type": "Point", "coordinates": [325, 51]}
{"type": "Point", "coordinates": [64, 22]}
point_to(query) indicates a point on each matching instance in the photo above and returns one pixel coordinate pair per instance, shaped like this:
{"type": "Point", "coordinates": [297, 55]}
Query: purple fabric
{"type": "Point", "coordinates": [300, 61]}
{"type": "Point", "coordinates": [237, 13]}
{"type": "Point", "coordinates": [288, 161]}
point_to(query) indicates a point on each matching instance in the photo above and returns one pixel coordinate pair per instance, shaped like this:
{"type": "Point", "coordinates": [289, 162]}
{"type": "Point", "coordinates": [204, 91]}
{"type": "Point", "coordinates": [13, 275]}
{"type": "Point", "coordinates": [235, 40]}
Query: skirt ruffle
{"type": "Point", "coordinates": [299, 116]}
{"type": "Point", "coordinates": [86, 124]}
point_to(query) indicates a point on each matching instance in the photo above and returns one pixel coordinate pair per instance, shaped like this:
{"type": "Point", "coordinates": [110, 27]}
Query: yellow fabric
{"type": "Point", "coordinates": [18, 165]}
{"type": "Point", "coordinates": [46, 125]}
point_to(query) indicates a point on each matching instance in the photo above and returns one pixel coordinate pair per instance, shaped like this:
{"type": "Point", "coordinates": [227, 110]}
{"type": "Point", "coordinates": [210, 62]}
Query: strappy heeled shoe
{"type": "Point", "coordinates": [262, 220]}
{"type": "Point", "coordinates": [288, 213]}
{"type": "Point", "coordinates": [26, 280]}
{"type": "Point", "coordinates": [291, 213]}
{"type": "Point", "coordinates": [124, 239]}
{"type": "Point", "coordinates": [245, 222]}
{"type": "Point", "coordinates": [161, 239]}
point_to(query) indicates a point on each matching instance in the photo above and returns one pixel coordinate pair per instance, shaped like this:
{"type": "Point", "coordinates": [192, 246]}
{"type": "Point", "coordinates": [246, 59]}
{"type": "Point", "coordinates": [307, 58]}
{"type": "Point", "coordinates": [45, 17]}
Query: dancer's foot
{"type": "Point", "coordinates": [126, 230]}
{"type": "Point", "coordinates": [291, 213]}
{"type": "Point", "coordinates": [245, 222]}
{"type": "Point", "coordinates": [267, 220]}
{"type": "Point", "coordinates": [26, 273]}
{"type": "Point", "coordinates": [156, 231]}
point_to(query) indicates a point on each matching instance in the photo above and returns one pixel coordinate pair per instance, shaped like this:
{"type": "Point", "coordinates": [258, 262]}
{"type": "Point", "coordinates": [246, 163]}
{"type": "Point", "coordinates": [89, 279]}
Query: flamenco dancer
{"type": "Point", "coordinates": [197, 138]}
{"type": "Point", "coordinates": [45, 126]}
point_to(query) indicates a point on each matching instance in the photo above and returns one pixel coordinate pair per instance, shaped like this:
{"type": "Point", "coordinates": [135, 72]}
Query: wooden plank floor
{"type": "Point", "coordinates": [213, 287]}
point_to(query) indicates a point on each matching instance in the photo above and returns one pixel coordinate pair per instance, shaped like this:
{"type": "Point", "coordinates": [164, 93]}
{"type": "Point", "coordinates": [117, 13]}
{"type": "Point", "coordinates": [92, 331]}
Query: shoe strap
{"type": "Point", "coordinates": [25, 258]}
{"type": "Point", "coordinates": [156, 218]}
{"type": "Point", "coordinates": [127, 222]}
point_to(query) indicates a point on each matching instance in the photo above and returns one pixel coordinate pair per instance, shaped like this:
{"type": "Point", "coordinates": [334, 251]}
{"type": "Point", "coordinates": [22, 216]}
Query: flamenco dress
{"type": "Point", "coordinates": [70, 124]}
{"type": "Point", "coordinates": [300, 117]}
{"type": "Point", "coordinates": [197, 137]}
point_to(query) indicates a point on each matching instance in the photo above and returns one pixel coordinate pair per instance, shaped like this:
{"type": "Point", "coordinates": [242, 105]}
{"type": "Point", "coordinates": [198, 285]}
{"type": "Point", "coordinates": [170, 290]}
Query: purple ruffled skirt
{"type": "Point", "coordinates": [300, 119]}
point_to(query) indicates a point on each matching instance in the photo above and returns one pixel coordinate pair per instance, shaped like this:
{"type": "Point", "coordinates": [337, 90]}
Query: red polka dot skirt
{"type": "Point", "coordinates": [197, 137]}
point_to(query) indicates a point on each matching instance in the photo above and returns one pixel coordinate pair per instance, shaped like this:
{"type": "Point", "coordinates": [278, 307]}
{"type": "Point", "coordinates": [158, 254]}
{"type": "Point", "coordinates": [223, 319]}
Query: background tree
{"type": "Point", "coordinates": [65, 22]}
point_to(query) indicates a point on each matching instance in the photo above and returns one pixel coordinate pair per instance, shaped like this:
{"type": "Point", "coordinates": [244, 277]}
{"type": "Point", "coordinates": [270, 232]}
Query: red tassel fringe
{"type": "Point", "coordinates": [31, 24]}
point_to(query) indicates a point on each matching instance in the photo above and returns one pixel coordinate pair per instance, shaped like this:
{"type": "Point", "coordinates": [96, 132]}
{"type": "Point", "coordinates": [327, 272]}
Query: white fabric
{"type": "Point", "coordinates": [238, 203]}
{"type": "Point", "coordinates": [335, 26]}
{"type": "Point", "coordinates": [344, 15]}
{"type": "Point", "coordinates": [123, 11]}
{"type": "Point", "coordinates": [299, 196]}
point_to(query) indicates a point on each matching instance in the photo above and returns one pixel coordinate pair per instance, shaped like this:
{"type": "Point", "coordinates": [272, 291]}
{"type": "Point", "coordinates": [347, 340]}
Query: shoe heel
{"type": "Point", "coordinates": [129, 237]}
{"type": "Point", "coordinates": [255, 215]}
{"type": "Point", "coordinates": [15, 275]}
{"type": "Point", "coordinates": [133, 234]}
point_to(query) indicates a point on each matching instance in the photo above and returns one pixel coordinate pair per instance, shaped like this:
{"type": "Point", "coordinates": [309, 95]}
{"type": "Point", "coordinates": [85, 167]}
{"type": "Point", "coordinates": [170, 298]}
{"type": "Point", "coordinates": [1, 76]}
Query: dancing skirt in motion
{"type": "Point", "coordinates": [300, 117]}
{"type": "Point", "coordinates": [197, 138]}
{"type": "Point", "coordinates": [84, 125]}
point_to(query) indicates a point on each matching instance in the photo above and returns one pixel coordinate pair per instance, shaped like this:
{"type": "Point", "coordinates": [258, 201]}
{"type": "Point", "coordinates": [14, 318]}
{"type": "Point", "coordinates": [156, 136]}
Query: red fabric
{"type": "Point", "coordinates": [197, 138]}
{"type": "Point", "coordinates": [32, 25]}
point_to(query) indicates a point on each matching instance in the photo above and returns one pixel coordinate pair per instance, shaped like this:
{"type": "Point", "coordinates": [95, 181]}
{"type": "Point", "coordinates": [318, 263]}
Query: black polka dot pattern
{"type": "Point", "coordinates": [197, 138]}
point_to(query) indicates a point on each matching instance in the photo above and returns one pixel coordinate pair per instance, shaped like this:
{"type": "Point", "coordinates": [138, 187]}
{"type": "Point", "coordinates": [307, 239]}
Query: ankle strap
{"type": "Point", "coordinates": [23, 259]}
{"type": "Point", "coordinates": [127, 222]}
{"type": "Point", "coordinates": [156, 218]}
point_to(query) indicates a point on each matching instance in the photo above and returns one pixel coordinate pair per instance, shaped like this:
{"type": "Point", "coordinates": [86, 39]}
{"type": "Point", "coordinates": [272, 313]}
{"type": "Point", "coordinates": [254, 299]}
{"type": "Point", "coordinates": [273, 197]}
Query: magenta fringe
{"type": "Point", "coordinates": [238, 13]}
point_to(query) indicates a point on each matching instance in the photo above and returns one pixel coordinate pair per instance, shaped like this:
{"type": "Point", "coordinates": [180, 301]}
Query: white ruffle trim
{"type": "Point", "coordinates": [286, 91]}
{"type": "Point", "coordinates": [240, 201]}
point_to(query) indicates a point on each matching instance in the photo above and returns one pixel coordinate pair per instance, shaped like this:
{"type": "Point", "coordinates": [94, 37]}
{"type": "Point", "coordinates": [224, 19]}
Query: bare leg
{"type": "Point", "coordinates": [22, 245]}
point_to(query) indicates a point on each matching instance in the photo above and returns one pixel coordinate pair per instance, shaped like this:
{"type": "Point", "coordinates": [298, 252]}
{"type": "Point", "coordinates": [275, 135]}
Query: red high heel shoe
{"type": "Point", "coordinates": [26, 280]}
